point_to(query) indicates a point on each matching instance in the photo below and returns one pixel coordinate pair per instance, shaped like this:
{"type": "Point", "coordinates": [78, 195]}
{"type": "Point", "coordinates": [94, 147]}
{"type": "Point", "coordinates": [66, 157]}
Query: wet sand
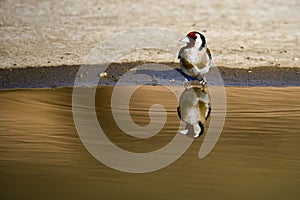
{"type": "Point", "coordinates": [64, 75]}
{"type": "Point", "coordinates": [256, 157]}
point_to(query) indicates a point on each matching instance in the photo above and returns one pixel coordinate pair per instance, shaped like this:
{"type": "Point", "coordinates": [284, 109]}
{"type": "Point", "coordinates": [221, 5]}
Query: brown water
{"type": "Point", "coordinates": [256, 157]}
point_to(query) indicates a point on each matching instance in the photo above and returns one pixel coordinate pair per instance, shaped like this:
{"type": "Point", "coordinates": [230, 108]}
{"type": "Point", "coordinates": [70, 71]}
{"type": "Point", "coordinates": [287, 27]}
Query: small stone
{"type": "Point", "coordinates": [103, 75]}
{"type": "Point", "coordinates": [154, 80]}
{"type": "Point", "coordinates": [249, 71]}
{"type": "Point", "coordinates": [172, 81]}
{"type": "Point", "coordinates": [296, 59]}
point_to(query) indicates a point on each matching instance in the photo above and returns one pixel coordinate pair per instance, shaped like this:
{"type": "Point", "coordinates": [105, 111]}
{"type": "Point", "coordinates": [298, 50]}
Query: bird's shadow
{"type": "Point", "coordinates": [169, 74]}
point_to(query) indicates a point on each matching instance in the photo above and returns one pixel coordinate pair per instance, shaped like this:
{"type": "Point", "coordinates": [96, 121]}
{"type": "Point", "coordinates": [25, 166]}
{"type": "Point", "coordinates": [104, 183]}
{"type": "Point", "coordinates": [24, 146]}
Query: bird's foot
{"type": "Point", "coordinates": [203, 83]}
{"type": "Point", "coordinates": [186, 83]}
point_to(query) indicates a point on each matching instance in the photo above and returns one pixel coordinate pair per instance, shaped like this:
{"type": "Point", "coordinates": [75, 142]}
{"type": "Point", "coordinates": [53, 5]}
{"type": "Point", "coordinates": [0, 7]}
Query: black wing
{"type": "Point", "coordinates": [202, 128]}
{"type": "Point", "coordinates": [209, 54]}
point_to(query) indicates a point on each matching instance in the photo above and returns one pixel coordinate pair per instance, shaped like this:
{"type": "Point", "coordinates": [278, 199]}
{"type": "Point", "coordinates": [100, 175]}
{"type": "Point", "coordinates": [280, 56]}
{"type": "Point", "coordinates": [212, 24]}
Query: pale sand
{"type": "Point", "coordinates": [240, 34]}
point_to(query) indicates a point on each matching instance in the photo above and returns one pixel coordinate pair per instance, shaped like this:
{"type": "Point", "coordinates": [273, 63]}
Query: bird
{"type": "Point", "coordinates": [195, 57]}
{"type": "Point", "coordinates": [194, 108]}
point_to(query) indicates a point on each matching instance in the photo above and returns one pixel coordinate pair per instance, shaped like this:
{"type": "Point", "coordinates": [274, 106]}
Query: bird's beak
{"type": "Point", "coordinates": [185, 39]}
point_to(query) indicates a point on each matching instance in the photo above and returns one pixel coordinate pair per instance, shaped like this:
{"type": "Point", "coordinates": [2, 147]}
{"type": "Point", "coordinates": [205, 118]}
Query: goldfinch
{"type": "Point", "coordinates": [195, 57]}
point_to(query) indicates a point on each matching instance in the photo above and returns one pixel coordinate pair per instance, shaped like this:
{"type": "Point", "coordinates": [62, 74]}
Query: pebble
{"type": "Point", "coordinates": [103, 75]}
{"type": "Point", "coordinates": [154, 80]}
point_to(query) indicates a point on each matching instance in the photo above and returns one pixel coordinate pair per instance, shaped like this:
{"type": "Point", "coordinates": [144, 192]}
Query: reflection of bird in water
{"type": "Point", "coordinates": [194, 108]}
{"type": "Point", "coordinates": [195, 57]}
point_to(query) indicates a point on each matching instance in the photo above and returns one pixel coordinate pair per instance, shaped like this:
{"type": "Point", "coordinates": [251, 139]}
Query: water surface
{"type": "Point", "coordinates": [256, 157]}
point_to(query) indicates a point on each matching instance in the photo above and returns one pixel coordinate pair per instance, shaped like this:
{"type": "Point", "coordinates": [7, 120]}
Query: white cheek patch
{"type": "Point", "coordinates": [198, 42]}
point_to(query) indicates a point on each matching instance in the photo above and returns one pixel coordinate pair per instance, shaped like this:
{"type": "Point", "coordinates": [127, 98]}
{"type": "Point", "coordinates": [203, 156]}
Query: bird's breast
{"type": "Point", "coordinates": [192, 56]}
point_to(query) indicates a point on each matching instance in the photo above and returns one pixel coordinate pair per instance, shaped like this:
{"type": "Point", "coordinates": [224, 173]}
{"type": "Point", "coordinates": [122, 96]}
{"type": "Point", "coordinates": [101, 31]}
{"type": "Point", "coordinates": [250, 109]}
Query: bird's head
{"type": "Point", "coordinates": [194, 39]}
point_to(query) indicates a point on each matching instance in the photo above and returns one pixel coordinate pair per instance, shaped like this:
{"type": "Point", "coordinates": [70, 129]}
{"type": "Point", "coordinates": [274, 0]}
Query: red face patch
{"type": "Point", "coordinates": [192, 35]}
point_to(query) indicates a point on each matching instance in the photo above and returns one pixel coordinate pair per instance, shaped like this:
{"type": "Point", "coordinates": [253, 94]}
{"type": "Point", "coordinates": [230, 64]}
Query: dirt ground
{"type": "Point", "coordinates": [241, 34]}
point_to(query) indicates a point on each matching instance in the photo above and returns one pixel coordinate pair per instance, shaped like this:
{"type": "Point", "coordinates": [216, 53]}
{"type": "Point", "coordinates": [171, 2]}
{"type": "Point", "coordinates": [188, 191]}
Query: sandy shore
{"type": "Point", "coordinates": [240, 34]}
